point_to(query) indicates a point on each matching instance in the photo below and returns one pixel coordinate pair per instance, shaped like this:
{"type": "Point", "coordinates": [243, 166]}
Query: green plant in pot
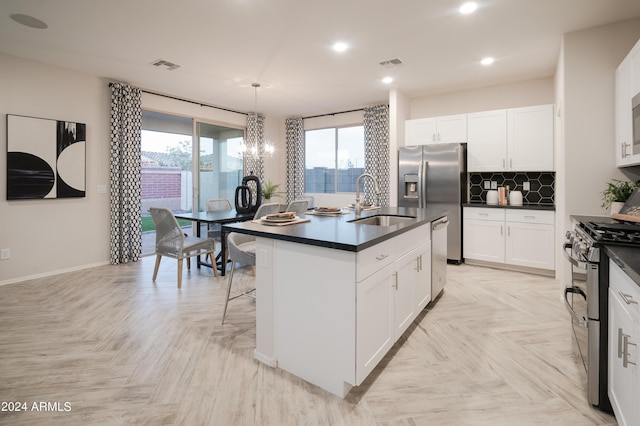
{"type": "Point", "coordinates": [270, 189]}
{"type": "Point", "coordinates": [617, 192]}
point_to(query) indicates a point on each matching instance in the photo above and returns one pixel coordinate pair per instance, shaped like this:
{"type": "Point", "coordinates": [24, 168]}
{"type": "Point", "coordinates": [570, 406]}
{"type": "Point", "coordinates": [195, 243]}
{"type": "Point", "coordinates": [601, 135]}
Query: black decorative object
{"type": "Point", "coordinates": [45, 158]}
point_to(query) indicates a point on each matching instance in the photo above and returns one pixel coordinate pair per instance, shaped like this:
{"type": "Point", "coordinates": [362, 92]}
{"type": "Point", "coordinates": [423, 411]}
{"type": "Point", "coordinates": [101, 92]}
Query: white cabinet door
{"type": "Point", "coordinates": [448, 128]}
{"type": "Point", "coordinates": [530, 244]}
{"type": "Point", "coordinates": [483, 240]}
{"type": "Point", "coordinates": [530, 138]}
{"type": "Point", "coordinates": [634, 56]}
{"type": "Point", "coordinates": [406, 268]}
{"type": "Point", "coordinates": [451, 128]}
{"type": "Point", "coordinates": [621, 386]}
{"type": "Point", "coordinates": [420, 131]}
{"type": "Point", "coordinates": [624, 339]}
{"type": "Point", "coordinates": [375, 319]}
{"type": "Point", "coordinates": [422, 278]}
{"type": "Point", "coordinates": [624, 129]}
{"type": "Point", "coordinates": [487, 141]}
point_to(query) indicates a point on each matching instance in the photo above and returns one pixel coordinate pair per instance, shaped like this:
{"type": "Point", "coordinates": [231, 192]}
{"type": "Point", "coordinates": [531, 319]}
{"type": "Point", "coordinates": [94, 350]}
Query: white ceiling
{"type": "Point", "coordinates": [222, 46]}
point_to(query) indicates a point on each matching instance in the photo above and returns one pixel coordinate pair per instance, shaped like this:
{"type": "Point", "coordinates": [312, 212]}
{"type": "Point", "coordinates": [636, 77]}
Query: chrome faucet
{"type": "Point", "coordinates": [377, 189]}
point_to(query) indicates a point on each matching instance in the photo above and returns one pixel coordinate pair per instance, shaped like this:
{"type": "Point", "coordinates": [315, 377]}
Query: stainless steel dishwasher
{"type": "Point", "coordinates": [438, 256]}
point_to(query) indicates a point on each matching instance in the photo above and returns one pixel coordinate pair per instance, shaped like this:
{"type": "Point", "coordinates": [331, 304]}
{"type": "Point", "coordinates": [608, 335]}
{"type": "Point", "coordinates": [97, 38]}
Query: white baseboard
{"type": "Point", "coordinates": [52, 273]}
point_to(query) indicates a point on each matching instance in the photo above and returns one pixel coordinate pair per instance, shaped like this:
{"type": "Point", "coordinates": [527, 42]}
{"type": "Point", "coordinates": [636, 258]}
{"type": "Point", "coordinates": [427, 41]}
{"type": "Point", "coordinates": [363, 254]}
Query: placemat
{"type": "Point", "coordinates": [293, 222]}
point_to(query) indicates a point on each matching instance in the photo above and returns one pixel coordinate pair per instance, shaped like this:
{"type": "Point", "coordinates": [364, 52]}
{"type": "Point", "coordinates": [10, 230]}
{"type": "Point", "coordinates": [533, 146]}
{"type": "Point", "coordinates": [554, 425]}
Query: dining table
{"type": "Point", "coordinates": [220, 217]}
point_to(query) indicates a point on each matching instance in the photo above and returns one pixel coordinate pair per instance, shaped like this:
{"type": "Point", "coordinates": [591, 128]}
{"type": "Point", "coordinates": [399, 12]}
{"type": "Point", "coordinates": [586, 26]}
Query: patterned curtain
{"type": "Point", "coordinates": [126, 119]}
{"type": "Point", "coordinates": [254, 144]}
{"type": "Point", "coordinates": [295, 157]}
{"type": "Point", "coordinates": [376, 152]}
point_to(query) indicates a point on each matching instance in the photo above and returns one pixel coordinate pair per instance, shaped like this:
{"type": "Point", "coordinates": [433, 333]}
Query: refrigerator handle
{"type": "Point", "coordinates": [422, 190]}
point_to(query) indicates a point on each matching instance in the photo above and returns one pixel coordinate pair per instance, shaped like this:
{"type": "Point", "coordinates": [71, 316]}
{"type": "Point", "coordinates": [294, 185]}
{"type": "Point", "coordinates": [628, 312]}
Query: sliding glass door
{"type": "Point", "coordinates": [219, 162]}
{"type": "Point", "coordinates": [170, 155]}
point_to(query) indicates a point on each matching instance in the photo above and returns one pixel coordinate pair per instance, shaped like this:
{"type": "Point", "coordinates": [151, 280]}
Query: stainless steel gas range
{"type": "Point", "coordinates": [587, 296]}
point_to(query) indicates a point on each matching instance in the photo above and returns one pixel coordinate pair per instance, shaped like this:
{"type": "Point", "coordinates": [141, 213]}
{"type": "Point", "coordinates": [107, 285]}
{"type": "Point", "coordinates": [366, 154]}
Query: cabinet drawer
{"type": "Point", "coordinates": [482, 213]}
{"type": "Point", "coordinates": [627, 291]}
{"type": "Point", "coordinates": [377, 257]}
{"type": "Point", "coordinates": [531, 216]}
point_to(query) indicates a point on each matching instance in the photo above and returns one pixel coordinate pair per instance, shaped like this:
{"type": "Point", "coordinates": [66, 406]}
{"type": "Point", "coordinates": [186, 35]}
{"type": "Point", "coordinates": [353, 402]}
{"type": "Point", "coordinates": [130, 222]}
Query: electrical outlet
{"type": "Point", "coordinates": [494, 184]}
{"type": "Point", "coordinates": [526, 186]}
{"type": "Point", "coordinates": [5, 254]}
{"type": "Point", "coordinates": [487, 184]}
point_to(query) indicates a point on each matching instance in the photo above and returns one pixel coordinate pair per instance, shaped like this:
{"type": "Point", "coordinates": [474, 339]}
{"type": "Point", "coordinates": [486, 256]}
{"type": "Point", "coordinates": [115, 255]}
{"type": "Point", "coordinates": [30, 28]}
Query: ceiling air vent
{"type": "Point", "coordinates": [169, 66]}
{"type": "Point", "coordinates": [391, 63]}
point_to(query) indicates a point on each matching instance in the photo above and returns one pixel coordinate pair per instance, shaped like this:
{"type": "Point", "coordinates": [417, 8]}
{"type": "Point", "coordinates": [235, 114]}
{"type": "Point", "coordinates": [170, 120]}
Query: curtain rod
{"type": "Point", "coordinates": [333, 113]}
{"type": "Point", "coordinates": [187, 100]}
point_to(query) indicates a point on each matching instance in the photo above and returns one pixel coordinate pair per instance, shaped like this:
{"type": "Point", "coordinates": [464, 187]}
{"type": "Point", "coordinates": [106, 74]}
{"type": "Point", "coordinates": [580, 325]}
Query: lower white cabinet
{"type": "Point", "coordinates": [389, 300]}
{"type": "Point", "coordinates": [530, 239]}
{"type": "Point", "coordinates": [329, 316]}
{"type": "Point", "coordinates": [375, 324]}
{"type": "Point", "coordinates": [483, 231]}
{"type": "Point", "coordinates": [624, 338]}
{"type": "Point", "coordinates": [412, 286]}
{"type": "Point", "coordinates": [510, 236]}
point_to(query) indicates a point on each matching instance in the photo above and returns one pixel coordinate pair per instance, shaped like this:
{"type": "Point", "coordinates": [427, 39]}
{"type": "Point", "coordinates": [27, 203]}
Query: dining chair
{"type": "Point", "coordinates": [171, 241]}
{"type": "Point", "coordinates": [298, 206]}
{"type": "Point", "coordinates": [216, 205]}
{"type": "Point", "coordinates": [242, 249]}
{"type": "Point", "coordinates": [265, 209]}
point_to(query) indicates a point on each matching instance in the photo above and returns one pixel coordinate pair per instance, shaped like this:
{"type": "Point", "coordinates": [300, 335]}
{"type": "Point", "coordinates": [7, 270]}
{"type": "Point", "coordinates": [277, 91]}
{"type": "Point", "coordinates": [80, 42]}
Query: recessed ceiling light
{"type": "Point", "coordinates": [29, 21]}
{"type": "Point", "coordinates": [468, 8]}
{"type": "Point", "coordinates": [387, 80]}
{"type": "Point", "coordinates": [340, 46]}
{"type": "Point", "coordinates": [487, 61]}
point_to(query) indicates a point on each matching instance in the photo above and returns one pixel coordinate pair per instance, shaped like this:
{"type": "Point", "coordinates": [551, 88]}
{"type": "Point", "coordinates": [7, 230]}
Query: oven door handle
{"type": "Point", "coordinates": [574, 262]}
{"type": "Point", "coordinates": [576, 290]}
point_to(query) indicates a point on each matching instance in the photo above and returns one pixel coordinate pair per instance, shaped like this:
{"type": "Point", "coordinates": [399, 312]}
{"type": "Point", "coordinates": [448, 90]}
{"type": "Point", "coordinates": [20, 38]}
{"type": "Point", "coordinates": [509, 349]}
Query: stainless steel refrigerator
{"type": "Point", "coordinates": [436, 176]}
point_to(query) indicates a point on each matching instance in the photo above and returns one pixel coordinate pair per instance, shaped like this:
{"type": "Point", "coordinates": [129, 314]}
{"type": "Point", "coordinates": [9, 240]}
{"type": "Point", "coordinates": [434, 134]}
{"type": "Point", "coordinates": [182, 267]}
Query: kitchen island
{"type": "Point", "coordinates": [333, 296]}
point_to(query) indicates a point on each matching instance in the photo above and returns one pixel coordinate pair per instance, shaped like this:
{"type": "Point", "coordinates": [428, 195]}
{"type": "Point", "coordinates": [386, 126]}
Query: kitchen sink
{"type": "Point", "coordinates": [382, 220]}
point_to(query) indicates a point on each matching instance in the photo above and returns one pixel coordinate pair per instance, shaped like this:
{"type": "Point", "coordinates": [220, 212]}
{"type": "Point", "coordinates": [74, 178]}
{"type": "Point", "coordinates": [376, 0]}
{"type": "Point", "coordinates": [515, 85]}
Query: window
{"type": "Point", "coordinates": [334, 158]}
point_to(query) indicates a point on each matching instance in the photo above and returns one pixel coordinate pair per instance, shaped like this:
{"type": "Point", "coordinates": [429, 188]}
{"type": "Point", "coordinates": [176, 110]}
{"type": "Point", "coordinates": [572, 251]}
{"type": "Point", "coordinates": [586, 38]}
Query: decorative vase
{"type": "Point", "coordinates": [616, 206]}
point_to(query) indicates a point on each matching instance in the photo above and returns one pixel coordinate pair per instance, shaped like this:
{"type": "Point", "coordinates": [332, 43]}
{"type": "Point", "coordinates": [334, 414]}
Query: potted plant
{"type": "Point", "coordinates": [270, 189]}
{"type": "Point", "coordinates": [616, 194]}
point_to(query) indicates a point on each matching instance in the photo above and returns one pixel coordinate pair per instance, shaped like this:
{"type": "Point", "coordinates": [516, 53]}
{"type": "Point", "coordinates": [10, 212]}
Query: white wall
{"type": "Point", "coordinates": [55, 235]}
{"type": "Point", "coordinates": [46, 237]}
{"type": "Point", "coordinates": [585, 92]}
{"type": "Point", "coordinates": [518, 94]}
{"type": "Point", "coordinates": [590, 60]}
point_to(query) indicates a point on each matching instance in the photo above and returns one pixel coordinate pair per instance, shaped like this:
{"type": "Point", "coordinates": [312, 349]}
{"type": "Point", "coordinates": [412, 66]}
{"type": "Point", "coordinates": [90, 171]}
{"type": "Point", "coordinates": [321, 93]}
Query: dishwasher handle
{"type": "Point", "coordinates": [440, 223]}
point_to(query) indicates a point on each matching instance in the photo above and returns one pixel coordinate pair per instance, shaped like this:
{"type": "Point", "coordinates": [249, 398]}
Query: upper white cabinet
{"type": "Point", "coordinates": [449, 128]}
{"type": "Point", "coordinates": [530, 138]}
{"type": "Point", "coordinates": [487, 143]}
{"type": "Point", "coordinates": [627, 85]}
{"type": "Point", "coordinates": [515, 139]}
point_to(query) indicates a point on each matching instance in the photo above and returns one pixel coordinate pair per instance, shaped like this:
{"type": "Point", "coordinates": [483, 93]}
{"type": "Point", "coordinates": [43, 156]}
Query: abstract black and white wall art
{"type": "Point", "coordinates": [45, 158]}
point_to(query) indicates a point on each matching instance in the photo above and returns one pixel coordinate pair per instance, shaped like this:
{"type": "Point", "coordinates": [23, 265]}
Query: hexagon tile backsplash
{"type": "Point", "coordinates": [541, 185]}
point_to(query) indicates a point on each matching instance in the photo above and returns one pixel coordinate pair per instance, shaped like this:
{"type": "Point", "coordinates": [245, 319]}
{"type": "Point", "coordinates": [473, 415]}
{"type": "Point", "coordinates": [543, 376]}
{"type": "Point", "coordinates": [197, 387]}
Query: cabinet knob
{"type": "Point", "coordinates": [382, 257]}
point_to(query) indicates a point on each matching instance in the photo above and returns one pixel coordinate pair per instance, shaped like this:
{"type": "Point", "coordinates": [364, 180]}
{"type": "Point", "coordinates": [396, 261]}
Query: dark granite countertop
{"type": "Point", "coordinates": [336, 232]}
{"type": "Point", "coordinates": [628, 259]}
{"type": "Point", "coordinates": [524, 206]}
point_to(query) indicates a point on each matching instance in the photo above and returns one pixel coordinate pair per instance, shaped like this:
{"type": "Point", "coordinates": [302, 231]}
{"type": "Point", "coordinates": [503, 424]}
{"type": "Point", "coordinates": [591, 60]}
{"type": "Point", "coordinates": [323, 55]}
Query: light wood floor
{"type": "Point", "coordinates": [494, 350]}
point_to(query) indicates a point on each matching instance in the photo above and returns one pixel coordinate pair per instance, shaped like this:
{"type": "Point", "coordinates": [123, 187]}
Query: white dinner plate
{"type": "Point", "coordinates": [279, 219]}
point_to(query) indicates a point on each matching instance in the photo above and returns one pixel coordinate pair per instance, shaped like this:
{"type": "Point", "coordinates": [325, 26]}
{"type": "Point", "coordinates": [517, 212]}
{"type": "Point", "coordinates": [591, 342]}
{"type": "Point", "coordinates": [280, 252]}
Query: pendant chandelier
{"type": "Point", "coordinates": [257, 148]}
